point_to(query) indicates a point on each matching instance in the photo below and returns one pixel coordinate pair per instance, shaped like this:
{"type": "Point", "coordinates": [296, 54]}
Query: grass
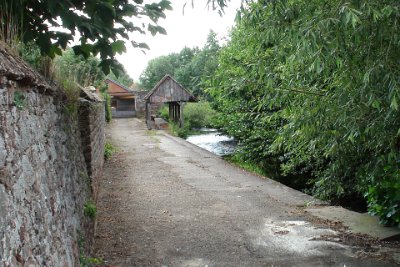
{"type": "Point", "coordinates": [249, 166]}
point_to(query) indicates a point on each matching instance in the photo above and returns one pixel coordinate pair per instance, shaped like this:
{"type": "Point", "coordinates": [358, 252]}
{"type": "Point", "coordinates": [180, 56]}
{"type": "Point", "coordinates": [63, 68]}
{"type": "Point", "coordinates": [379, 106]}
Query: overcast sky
{"type": "Point", "coordinates": [183, 29]}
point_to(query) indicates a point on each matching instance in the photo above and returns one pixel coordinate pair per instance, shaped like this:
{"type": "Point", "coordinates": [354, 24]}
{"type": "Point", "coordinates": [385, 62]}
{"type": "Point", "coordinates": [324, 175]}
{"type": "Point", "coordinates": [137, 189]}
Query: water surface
{"type": "Point", "coordinates": [213, 141]}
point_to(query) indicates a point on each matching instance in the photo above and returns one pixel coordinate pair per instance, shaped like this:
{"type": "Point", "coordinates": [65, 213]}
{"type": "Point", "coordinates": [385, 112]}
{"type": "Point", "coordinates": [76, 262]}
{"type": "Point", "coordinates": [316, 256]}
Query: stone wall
{"type": "Point", "coordinates": [92, 126]}
{"type": "Point", "coordinates": [50, 161]}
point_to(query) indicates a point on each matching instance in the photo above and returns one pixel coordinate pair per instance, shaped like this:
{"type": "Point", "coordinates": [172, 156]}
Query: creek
{"type": "Point", "coordinates": [213, 141]}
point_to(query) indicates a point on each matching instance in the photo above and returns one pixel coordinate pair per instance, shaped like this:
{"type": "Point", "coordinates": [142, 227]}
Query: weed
{"type": "Point", "coordinates": [72, 91]}
{"type": "Point", "coordinates": [109, 150]}
{"type": "Point", "coordinates": [84, 260]}
{"type": "Point", "coordinates": [19, 100]}
{"type": "Point", "coordinates": [247, 165]}
{"type": "Point", "coordinates": [89, 209]}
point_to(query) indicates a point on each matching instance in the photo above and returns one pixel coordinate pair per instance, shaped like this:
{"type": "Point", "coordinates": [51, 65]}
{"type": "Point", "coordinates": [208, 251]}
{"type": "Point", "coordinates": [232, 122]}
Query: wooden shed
{"type": "Point", "coordinates": [167, 90]}
{"type": "Point", "coordinates": [122, 99]}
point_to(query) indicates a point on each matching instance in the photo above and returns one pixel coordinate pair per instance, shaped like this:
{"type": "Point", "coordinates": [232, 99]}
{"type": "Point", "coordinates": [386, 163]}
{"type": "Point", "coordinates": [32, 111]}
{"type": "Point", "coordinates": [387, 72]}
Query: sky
{"type": "Point", "coordinates": [189, 28]}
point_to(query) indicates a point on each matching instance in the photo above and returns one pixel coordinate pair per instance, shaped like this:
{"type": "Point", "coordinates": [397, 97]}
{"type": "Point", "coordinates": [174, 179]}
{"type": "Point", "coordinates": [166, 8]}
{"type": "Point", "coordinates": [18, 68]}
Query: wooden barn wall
{"type": "Point", "coordinates": [169, 91]}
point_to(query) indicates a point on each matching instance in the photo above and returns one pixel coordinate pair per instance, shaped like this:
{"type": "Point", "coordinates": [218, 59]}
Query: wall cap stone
{"type": "Point", "coordinates": [16, 69]}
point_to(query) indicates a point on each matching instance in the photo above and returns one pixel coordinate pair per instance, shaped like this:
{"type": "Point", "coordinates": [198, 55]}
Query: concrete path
{"type": "Point", "coordinates": [166, 202]}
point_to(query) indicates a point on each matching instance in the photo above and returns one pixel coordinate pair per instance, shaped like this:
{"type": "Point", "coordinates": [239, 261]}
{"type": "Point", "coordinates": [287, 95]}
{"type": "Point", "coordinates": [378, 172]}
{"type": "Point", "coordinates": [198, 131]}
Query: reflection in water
{"type": "Point", "coordinates": [214, 142]}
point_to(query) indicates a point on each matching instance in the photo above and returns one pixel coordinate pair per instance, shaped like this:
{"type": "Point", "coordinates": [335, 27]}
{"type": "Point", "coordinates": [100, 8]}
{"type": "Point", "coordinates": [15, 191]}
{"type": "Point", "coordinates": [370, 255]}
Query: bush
{"type": "Point", "coordinates": [199, 115]}
{"type": "Point", "coordinates": [183, 132]}
{"type": "Point", "coordinates": [164, 112]}
{"type": "Point", "coordinates": [196, 116]}
{"type": "Point", "coordinates": [382, 184]}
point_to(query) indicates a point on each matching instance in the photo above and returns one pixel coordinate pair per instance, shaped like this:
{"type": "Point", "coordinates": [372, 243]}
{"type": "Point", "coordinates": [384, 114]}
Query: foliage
{"type": "Point", "coordinates": [103, 25]}
{"type": "Point", "coordinates": [190, 67]}
{"type": "Point", "coordinates": [198, 115]}
{"type": "Point", "coordinates": [31, 54]}
{"type": "Point", "coordinates": [70, 71]}
{"type": "Point", "coordinates": [157, 68]}
{"type": "Point", "coordinates": [85, 72]}
{"type": "Point", "coordinates": [201, 67]}
{"type": "Point", "coordinates": [89, 261]}
{"type": "Point", "coordinates": [122, 78]}
{"type": "Point", "coordinates": [84, 260]}
{"type": "Point", "coordinates": [19, 100]}
{"type": "Point", "coordinates": [72, 92]}
{"type": "Point", "coordinates": [108, 112]}
{"type": "Point", "coordinates": [316, 85]}
{"type": "Point", "coordinates": [247, 165]}
{"type": "Point", "coordinates": [9, 26]}
{"type": "Point", "coordinates": [109, 150]}
{"type": "Point", "coordinates": [163, 112]}
{"type": "Point", "coordinates": [89, 209]}
{"type": "Point", "coordinates": [182, 132]}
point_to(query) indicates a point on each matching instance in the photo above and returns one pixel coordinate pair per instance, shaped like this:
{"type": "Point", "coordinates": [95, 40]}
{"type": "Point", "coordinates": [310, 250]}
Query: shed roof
{"type": "Point", "coordinates": [169, 90]}
{"type": "Point", "coordinates": [119, 84]}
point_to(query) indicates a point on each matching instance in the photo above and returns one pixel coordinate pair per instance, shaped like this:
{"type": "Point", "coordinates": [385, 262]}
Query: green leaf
{"type": "Point", "coordinates": [393, 103]}
{"type": "Point", "coordinates": [154, 29]}
{"type": "Point", "coordinates": [118, 47]}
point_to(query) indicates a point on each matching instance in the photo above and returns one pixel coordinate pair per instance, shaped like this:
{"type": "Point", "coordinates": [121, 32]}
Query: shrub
{"type": "Point", "coordinates": [177, 131]}
{"type": "Point", "coordinates": [199, 115]}
{"type": "Point", "coordinates": [164, 112]}
{"type": "Point", "coordinates": [382, 183]}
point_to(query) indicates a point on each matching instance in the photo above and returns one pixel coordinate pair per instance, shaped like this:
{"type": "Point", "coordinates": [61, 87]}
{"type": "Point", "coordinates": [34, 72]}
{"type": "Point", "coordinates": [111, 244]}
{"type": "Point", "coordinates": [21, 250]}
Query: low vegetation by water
{"type": "Point", "coordinates": [196, 116]}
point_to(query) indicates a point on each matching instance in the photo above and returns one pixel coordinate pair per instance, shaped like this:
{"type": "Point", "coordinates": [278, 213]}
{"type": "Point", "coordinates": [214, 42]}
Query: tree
{"type": "Point", "coordinates": [204, 65]}
{"type": "Point", "coordinates": [169, 64]}
{"type": "Point", "coordinates": [190, 67]}
{"type": "Point", "coordinates": [103, 26]}
{"type": "Point", "coordinates": [315, 84]}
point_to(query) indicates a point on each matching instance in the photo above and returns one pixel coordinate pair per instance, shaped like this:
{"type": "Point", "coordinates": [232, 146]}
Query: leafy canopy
{"type": "Point", "coordinates": [103, 26]}
{"type": "Point", "coordinates": [190, 67]}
